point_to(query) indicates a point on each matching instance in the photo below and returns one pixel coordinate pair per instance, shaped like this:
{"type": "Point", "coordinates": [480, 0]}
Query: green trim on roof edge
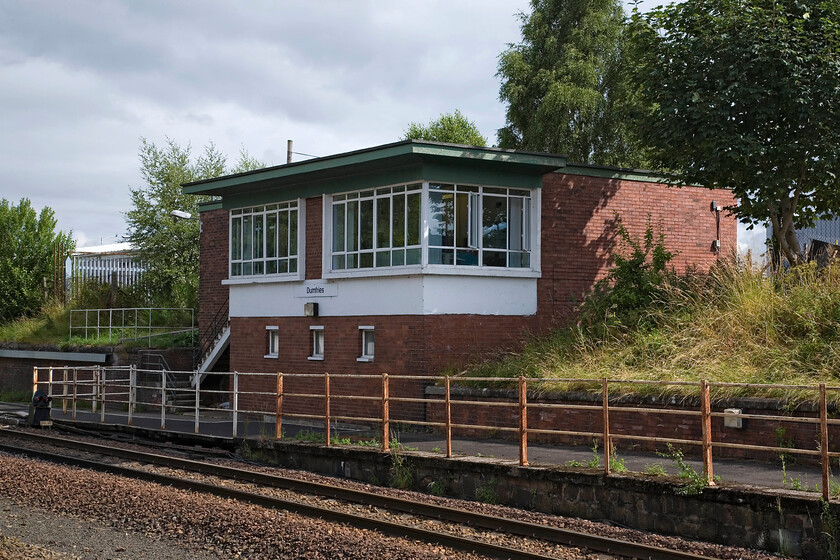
{"type": "Point", "coordinates": [378, 159]}
{"type": "Point", "coordinates": [616, 173]}
{"type": "Point", "coordinates": [209, 205]}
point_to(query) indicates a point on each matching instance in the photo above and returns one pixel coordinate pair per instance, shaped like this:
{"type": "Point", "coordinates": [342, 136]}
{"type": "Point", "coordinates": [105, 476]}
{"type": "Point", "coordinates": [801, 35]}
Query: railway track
{"type": "Point", "coordinates": [544, 533]}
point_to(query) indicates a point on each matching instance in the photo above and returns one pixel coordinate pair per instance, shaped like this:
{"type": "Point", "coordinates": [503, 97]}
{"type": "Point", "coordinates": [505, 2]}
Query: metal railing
{"type": "Point", "coordinates": [132, 323]}
{"type": "Point", "coordinates": [207, 339]}
{"type": "Point", "coordinates": [369, 399]}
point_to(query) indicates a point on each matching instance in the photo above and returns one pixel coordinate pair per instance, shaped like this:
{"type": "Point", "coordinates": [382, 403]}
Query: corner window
{"type": "Point", "coordinates": [273, 334]}
{"type": "Point", "coordinates": [317, 334]}
{"type": "Point", "coordinates": [264, 240]}
{"type": "Point", "coordinates": [467, 225]}
{"type": "Point", "coordinates": [367, 344]}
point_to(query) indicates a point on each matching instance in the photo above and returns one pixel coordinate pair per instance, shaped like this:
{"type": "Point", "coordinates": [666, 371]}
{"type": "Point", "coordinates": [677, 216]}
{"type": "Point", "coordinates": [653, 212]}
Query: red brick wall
{"type": "Point", "coordinates": [213, 266]}
{"type": "Point", "coordinates": [579, 231]}
{"type": "Point", "coordinates": [314, 228]}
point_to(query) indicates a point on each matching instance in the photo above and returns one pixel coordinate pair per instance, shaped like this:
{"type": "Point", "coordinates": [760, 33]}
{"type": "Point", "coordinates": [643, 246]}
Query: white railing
{"type": "Point", "coordinates": [132, 323]}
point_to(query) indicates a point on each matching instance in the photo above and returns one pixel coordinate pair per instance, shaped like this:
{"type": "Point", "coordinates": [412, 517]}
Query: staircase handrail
{"type": "Point", "coordinates": [217, 325]}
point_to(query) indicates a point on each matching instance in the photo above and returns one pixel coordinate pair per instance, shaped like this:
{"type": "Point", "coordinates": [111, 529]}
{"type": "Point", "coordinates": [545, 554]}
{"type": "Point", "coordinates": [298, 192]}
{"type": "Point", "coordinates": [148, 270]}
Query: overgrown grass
{"type": "Point", "coordinates": [52, 326]}
{"type": "Point", "coordinates": [736, 324]}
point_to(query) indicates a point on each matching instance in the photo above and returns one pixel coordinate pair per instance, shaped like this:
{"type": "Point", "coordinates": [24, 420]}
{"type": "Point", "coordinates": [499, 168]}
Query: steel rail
{"type": "Point", "coordinates": [493, 523]}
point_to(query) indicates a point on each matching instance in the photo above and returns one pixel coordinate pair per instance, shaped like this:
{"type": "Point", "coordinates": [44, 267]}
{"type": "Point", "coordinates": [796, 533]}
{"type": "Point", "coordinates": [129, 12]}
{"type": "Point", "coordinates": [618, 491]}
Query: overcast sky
{"type": "Point", "coordinates": [82, 81]}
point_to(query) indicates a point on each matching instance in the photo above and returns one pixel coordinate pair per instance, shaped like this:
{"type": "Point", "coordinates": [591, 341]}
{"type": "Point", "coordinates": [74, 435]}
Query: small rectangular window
{"type": "Point", "coordinates": [273, 335]}
{"type": "Point", "coordinates": [367, 344]}
{"type": "Point", "coordinates": [317, 343]}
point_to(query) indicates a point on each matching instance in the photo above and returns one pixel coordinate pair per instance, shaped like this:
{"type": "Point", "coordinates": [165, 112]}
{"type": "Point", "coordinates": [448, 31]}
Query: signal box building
{"type": "Point", "coordinates": [417, 257]}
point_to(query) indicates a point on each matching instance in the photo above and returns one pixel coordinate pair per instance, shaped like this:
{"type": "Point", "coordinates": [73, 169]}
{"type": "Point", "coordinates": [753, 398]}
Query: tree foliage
{"type": "Point", "coordinates": [31, 250]}
{"type": "Point", "coordinates": [566, 84]}
{"type": "Point", "coordinates": [745, 94]}
{"type": "Point", "coordinates": [168, 246]}
{"type": "Point", "coordinates": [450, 127]}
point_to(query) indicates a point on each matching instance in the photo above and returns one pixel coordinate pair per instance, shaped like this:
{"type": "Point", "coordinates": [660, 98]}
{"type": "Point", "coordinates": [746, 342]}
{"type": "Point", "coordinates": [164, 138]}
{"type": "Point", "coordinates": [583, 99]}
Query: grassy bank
{"type": "Point", "coordinates": [737, 324]}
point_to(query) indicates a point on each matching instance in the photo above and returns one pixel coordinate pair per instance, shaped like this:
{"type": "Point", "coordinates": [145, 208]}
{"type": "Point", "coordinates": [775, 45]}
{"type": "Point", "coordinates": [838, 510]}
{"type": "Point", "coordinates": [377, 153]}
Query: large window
{"type": "Point", "coordinates": [263, 240]}
{"type": "Point", "coordinates": [377, 228]}
{"type": "Point", "coordinates": [479, 226]}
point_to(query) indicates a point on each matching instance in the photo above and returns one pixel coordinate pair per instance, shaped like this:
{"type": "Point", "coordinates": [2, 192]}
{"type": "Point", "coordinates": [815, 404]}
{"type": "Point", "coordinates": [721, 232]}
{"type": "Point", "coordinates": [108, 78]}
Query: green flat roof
{"type": "Point", "coordinates": [379, 160]}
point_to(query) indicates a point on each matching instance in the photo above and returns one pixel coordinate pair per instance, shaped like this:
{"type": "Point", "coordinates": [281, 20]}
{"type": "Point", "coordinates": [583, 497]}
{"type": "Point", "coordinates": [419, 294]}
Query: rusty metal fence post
{"type": "Point", "coordinates": [327, 408]}
{"type": "Point", "coordinates": [448, 418]}
{"type": "Point", "coordinates": [523, 421]}
{"type": "Point", "coordinates": [606, 409]}
{"type": "Point", "coordinates": [706, 425]}
{"type": "Point", "coordinates": [386, 419]}
{"type": "Point", "coordinates": [132, 392]}
{"type": "Point", "coordinates": [34, 380]}
{"type": "Point", "coordinates": [196, 379]}
{"type": "Point", "coordinates": [103, 383]}
{"type": "Point", "coordinates": [824, 443]}
{"type": "Point", "coordinates": [75, 390]}
{"type": "Point", "coordinates": [278, 408]}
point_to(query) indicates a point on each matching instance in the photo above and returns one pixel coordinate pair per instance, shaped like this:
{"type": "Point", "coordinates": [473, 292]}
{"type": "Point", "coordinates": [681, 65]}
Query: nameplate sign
{"type": "Point", "coordinates": [315, 289]}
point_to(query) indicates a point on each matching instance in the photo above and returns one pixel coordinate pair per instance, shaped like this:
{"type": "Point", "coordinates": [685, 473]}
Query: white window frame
{"type": "Point", "coordinates": [299, 235]}
{"type": "Point", "coordinates": [530, 239]}
{"type": "Point", "coordinates": [363, 332]}
{"type": "Point", "coordinates": [273, 342]}
{"type": "Point", "coordinates": [316, 338]}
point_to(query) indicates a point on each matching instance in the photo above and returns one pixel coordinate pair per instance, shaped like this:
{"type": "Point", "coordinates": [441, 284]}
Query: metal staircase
{"type": "Point", "coordinates": [212, 342]}
{"type": "Point", "coordinates": [177, 383]}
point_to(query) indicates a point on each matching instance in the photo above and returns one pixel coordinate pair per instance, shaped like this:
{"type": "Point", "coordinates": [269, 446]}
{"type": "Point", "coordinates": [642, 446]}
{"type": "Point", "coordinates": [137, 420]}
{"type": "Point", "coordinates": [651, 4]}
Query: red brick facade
{"type": "Point", "coordinates": [579, 235]}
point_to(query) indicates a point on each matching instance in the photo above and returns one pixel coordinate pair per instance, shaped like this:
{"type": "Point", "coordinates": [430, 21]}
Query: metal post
{"type": "Point", "coordinates": [327, 407]}
{"type": "Point", "coordinates": [197, 380]}
{"type": "Point", "coordinates": [523, 421]}
{"type": "Point", "coordinates": [162, 399]}
{"type": "Point", "coordinates": [64, 393]}
{"type": "Point", "coordinates": [278, 408]}
{"type": "Point", "coordinates": [386, 420]}
{"type": "Point", "coordinates": [102, 382]}
{"type": "Point", "coordinates": [706, 420]}
{"type": "Point", "coordinates": [34, 381]}
{"type": "Point", "coordinates": [132, 392]}
{"type": "Point", "coordinates": [50, 382]}
{"type": "Point", "coordinates": [448, 419]}
{"type": "Point", "coordinates": [94, 389]}
{"type": "Point", "coordinates": [235, 404]}
{"type": "Point", "coordinates": [606, 407]}
{"type": "Point", "coordinates": [75, 390]}
{"type": "Point", "coordinates": [824, 442]}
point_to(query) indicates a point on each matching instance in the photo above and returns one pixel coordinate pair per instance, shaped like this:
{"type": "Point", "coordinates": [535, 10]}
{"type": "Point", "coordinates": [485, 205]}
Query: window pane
{"type": "Point", "coordinates": [441, 219]}
{"type": "Point", "coordinates": [283, 234]}
{"type": "Point", "coordinates": [293, 265]}
{"type": "Point", "coordinates": [338, 227]}
{"type": "Point", "coordinates": [236, 269]}
{"type": "Point", "coordinates": [398, 257]}
{"type": "Point", "coordinates": [293, 232]}
{"type": "Point", "coordinates": [271, 267]}
{"type": "Point", "coordinates": [352, 226]}
{"type": "Point", "coordinates": [338, 262]}
{"type": "Point", "coordinates": [467, 257]}
{"type": "Point", "coordinates": [462, 221]}
{"type": "Point", "coordinates": [246, 238]}
{"type": "Point", "coordinates": [366, 224]}
{"type": "Point", "coordinates": [383, 223]}
{"type": "Point", "coordinates": [271, 235]}
{"type": "Point", "coordinates": [236, 239]}
{"type": "Point", "coordinates": [515, 229]}
{"type": "Point", "coordinates": [352, 261]}
{"type": "Point", "coordinates": [367, 343]}
{"type": "Point", "coordinates": [283, 266]}
{"type": "Point", "coordinates": [412, 256]}
{"type": "Point", "coordinates": [383, 258]}
{"type": "Point", "coordinates": [258, 267]}
{"type": "Point", "coordinates": [258, 235]}
{"type": "Point", "coordinates": [366, 260]}
{"type": "Point", "coordinates": [494, 258]}
{"type": "Point", "coordinates": [441, 256]}
{"type": "Point", "coordinates": [494, 223]}
{"type": "Point", "coordinates": [413, 222]}
{"type": "Point", "coordinates": [399, 221]}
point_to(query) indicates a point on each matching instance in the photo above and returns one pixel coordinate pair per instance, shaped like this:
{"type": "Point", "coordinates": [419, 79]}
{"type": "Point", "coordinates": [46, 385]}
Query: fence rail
{"type": "Point", "coordinates": [132, 323]}
{"type": "Point", "coordinates": [268, 395]}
